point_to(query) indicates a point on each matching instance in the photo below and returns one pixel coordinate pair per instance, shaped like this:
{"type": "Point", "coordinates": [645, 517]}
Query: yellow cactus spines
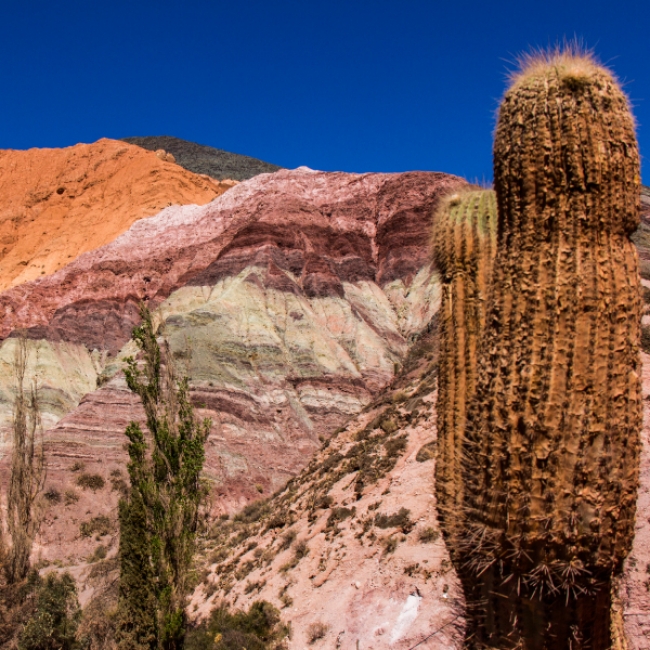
{"type": "Point", "coordinates": [463, 242]}
{"type": "Point", "coordinates": [550, 457]}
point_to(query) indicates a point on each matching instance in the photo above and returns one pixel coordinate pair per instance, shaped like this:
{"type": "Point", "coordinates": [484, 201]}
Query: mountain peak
{"type": "Point", "coordinates": [201, 159]}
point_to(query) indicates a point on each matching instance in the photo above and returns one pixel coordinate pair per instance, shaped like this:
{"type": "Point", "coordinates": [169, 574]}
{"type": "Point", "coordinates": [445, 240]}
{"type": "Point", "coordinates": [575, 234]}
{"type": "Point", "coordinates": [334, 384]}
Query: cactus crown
{"type": "Point", "coordinates": [572, 65]}
{"type": "Point", "coordinates": [463, 218]}
{"type": "Point", "coordinates": [565, 127]}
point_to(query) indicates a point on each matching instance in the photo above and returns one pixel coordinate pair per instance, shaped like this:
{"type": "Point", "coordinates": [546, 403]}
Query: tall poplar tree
{"type": "Point", "coordinates": [158, 520]}
{"type": "Point", "coordinates": [27, 473]}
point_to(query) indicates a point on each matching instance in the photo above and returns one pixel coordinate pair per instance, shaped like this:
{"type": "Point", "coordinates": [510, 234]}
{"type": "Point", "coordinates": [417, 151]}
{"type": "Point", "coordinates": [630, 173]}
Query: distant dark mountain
{"type": "Point", "coordinates": [202, 159]}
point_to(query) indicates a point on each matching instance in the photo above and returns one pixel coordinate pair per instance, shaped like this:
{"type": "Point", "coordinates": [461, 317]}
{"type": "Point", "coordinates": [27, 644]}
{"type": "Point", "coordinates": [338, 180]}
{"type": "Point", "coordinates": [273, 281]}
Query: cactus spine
{"type": "Point", "coordinates": [463, 242]}
{"type": "Point", "coordinates": [550, 463]}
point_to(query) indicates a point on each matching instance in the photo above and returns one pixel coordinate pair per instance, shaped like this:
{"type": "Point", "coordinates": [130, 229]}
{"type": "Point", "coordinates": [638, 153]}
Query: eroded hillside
{"type": "Point", "coordinates": [290, 301]}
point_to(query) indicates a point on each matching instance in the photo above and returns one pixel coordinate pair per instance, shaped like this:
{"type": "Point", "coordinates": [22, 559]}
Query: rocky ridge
{"type": "Point", "coordinates": [201, 159]}
{"type": "Point", "coordinates": [60, 203]}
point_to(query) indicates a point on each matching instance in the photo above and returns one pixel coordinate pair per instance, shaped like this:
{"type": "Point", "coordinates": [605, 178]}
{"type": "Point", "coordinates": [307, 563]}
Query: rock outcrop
{"type": "Point", "coordinates": [202, 159]}
{"type": "Point", "coordinates": [59, 203]}
{"type": "Point", "coordinates": [289, 301]}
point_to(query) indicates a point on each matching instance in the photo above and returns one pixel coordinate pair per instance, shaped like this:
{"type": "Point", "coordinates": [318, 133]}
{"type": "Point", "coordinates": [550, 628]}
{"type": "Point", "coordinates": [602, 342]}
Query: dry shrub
{"type": "Point", "coordinates": [316, 631]}
{"type": "Point", "coordinates": [100, 526]}
{"type": "Point", "coordinates": [92, 482]}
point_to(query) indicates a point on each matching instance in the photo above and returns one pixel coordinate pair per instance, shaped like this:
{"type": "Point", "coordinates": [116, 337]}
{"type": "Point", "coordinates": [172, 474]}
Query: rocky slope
{"type": "Point", "coordinates": [289, 301]}
{"type": "Point", "coordinates": [202, 159]}
{"type": "Point", "coordinates": [352, 544]}
{"type": "Point", "coordinates": [351, 550]}
{"type": "Point", "coordinates": [59, 203]}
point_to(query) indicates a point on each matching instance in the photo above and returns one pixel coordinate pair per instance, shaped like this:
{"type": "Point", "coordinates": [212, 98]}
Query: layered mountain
{"type": "Point", "coordinates": [302, 306]}
{"type": "Point", "coordinates": [351, 551]}
{"type": "Point", "coordinates": [60, 203]}
{"type": "Point", "coordinates": [290, 301]}
{"type": "Point", "coordinates": [202, 159]}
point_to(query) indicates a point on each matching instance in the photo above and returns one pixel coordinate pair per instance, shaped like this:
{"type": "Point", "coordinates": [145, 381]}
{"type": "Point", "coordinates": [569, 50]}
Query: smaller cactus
{"type": "Point", "coordinates": [463, 243]}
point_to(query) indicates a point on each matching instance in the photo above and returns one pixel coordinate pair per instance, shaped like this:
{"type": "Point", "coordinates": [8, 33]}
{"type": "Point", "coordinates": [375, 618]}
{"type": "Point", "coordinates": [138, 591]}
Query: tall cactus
{"type": "Point", "coordinates": [463, 243]}
{"type": "Point", "coordinates": [550, 462]}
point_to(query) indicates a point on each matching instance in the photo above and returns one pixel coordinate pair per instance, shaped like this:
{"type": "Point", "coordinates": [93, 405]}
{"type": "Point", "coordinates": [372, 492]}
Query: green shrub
{"type": "Point", "coordinates": [395, 446]}
{"type": "Point", "coordinates": [99, 554]}
{"type": "Point", "coordinates": [300, 550]}
{"type": "Point", "coordinates": [71, 497]}
{"type": "Point", "coordinates": [428, 535]}
{"type": "Point", "coordinates": [52, 495]}
{"type": "Point", "coordinates": [339, 514]}
{"type": "Point", "coordinates": [399, 519]}
{"type": "Point", "coordinates": [388, 426]}
{"type": "Point", "coordinates": [258, 629]}
{"type": "Point", "coordinates": [118, 484]}
{"type": "Point", "coordinates": [253, 512]}
{"type": "Point", "coordinates": [100, 525]}
{"type": "Point", "coordinates": [54, 623]}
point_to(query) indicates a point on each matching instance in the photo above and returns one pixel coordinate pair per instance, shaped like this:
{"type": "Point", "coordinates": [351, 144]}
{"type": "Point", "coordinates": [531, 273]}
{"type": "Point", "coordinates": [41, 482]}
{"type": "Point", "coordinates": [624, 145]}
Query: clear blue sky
{"type": "Point", "coordinates": [375, 85]}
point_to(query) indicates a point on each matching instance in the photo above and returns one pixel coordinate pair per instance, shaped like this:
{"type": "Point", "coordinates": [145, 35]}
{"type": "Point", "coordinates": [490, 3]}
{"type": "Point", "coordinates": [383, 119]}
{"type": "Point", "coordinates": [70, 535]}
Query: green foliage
{"type": "Point", "coordinates": [253, 512]}
{"type": "Point", "coordinates": [136, 627]}
{"type": "Point", "coordinates": [339, 514]}
{"type": "Point", "coordinates": [258, 629]}
{"type": "Point", "coordinates": [53, 625]}
{"type": "Point", "coordinates": [159, 519]}
{"type": "Point", "coordinates": [98, 554]}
